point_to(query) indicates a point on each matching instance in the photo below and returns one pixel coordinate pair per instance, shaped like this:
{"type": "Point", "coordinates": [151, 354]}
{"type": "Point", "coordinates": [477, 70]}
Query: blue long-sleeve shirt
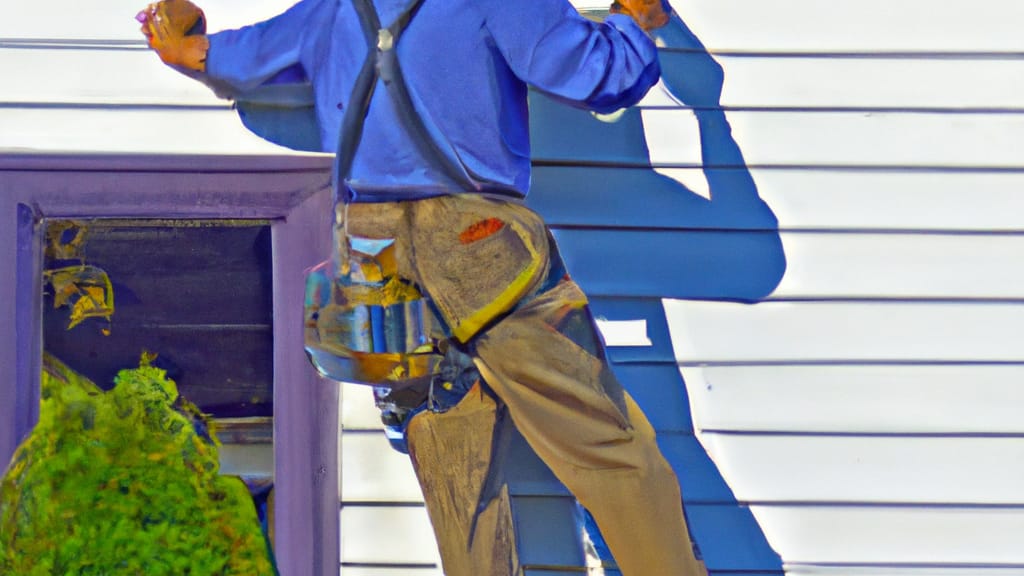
{"type": "Point", "coordinates": [467, 64]}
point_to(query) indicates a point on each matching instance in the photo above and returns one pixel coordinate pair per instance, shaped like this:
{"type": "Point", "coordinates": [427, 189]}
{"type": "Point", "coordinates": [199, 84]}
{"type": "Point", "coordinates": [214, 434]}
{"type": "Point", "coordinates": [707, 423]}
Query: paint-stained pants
{"type": "Point", "coordinates": [544, 361]}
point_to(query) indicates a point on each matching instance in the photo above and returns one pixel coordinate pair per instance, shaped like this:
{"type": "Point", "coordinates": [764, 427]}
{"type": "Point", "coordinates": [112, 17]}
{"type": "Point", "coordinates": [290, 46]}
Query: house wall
{"type": "Point", "coordinates": [859, 410]}
{"type": "Point", "coordinates": [859, 418]}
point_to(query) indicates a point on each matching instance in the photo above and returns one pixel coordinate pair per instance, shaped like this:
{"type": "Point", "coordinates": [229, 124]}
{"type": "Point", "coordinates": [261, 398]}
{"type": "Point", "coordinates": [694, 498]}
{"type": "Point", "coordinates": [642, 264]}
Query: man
{"type": "Point", "coordinates": [425, 105]}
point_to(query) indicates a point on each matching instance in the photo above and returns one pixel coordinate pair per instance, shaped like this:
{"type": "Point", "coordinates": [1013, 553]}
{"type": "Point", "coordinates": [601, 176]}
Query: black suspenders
{"type": "Point", "coordinates": [382, 63]}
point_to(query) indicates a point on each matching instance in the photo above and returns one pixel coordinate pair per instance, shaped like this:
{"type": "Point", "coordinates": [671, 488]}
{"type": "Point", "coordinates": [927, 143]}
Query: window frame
{"type": "Point", "coordinates": [290, 191]}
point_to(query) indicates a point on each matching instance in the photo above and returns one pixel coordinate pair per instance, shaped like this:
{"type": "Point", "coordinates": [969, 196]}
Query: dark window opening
{"type": "Point", "coordinates": [196, 293]}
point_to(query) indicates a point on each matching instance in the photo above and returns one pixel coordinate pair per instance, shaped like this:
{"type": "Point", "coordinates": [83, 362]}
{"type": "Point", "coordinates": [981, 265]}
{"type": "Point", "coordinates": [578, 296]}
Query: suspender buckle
{"type": "Point", "coordinates": [385, 40]}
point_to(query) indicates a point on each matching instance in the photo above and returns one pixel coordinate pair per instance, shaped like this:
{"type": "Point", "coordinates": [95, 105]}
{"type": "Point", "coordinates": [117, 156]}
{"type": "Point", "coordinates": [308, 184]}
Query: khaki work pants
{"type": "Point", "coordinates": [546, 364]}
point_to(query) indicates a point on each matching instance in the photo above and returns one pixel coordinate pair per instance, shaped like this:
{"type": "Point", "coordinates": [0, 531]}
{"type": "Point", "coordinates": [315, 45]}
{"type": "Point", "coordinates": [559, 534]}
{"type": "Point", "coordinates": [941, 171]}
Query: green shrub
{"type": "Point", "coordinates": [123, 482]}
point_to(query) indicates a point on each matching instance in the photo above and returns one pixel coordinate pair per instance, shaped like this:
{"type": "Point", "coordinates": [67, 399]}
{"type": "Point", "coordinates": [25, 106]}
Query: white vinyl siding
{"type": "Point", "coordinates": [867, 411]}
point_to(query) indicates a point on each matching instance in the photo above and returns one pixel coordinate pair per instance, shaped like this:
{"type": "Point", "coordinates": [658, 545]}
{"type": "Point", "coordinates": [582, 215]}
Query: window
{"type": "Point", "coordinates": [290, 196]}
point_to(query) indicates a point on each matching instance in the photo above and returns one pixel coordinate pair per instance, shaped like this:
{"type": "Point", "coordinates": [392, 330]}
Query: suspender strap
{"type": "Point", "coordinates": [382, 63]}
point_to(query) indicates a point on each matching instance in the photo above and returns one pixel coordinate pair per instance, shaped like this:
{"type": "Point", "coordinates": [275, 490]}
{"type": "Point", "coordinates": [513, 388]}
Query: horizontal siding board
{"type": "Point", "coordinates": [699, 479]}
{"type": "Point", "coordinates": [358, 411]}
{"type": "Point", "coordinates": [373, 472]}
{"type": "Point", "coordinates": [526, 474]}
{"type": "Point", "coordinates": [855, 25]}
{"type": "Point", "coordinates": [858, 265]}
{"type": "Point", "coordinates": [547, 531]}
{"type": "Point", "coordinates": [528, 479]}
{"type": "Point", "coordinates": [850, 570]}
{"type": "Point", "coordinates": [858, 399]}
{"type": "Point", "coordinates": [885, 535]}
{"type": "Point", "coordinates": [129, 165]}
{"type": "Point", "coordinates": [129, 131]}
{"type": "Point", "coordinates": [894, 200]}
{"type": "Point", "coordinates": [745, 25]}
{"type": "Point", "coordinates": [390, 571]}
{"type": "Point", "coordinates": [113, 20]}
{"type": "Point", "coordinates": [876, 139]}
{"type": "Point", "coordinates": [845, 332]}
{"type": "Point", "coordinates": [678, 264]}
{"type": "Point", "coordinates": [809, 469]}
{"type": "Point", "coordinates": [746, 265]}
{"type": "Point", "coordinates": [783, 138]}
{"type": "Point", "coordinates": [871, 82]}
{"type": "Point", "coordinates": [729, 539]}
{"type": "Point", "coordinates": [644, 198]}
{"type": "Point", "coordinates": [570, 196]}
{"type": "Point", "coordinates": [246, 460]}
{"type": "Point", "coordinates": [133, 75]}
{"type": "Point", "coordinates": [108, 77]}
{"type": "Point", "coordinates": [608, 571]}
{"type": "Point", "coordinates": [387, 535]}
{"type": "Point", "coordinates": [660, 393]}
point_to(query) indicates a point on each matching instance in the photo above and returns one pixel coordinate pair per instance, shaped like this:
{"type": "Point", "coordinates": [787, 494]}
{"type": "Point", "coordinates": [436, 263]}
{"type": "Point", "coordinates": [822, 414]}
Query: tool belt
{"type": "Point", "coordinates": [410, 282]}
{"type": "Point", "coordinates": [369, 326]}
{"type": "Point", "coordinates": [383, 310]}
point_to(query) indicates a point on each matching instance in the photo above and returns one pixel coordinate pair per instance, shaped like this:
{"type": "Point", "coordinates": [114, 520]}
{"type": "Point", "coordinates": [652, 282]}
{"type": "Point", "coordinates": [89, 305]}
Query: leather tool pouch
{"type": "Point", "coordinates": [365, 324]}
{"type": "Point", "coordinates": [477, 258]}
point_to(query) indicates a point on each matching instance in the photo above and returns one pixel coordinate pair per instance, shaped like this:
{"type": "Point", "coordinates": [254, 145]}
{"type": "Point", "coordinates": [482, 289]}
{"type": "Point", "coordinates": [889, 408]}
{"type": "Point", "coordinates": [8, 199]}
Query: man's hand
{"type": "Point", "coordinates": [176, 29]}
{"type": "Point", "coordinates": [649, 14]}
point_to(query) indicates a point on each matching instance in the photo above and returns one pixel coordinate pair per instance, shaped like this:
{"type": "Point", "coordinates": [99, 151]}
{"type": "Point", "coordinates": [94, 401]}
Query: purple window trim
{"type": "Point", "coordinates": [291, 191]}
{"type": "Point", "coordinates": [9, 330]}
{"type": "Point", "coordinates": [28, 318]}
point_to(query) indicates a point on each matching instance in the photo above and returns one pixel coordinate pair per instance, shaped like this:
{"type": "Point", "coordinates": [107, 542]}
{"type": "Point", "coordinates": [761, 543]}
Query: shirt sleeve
{"type": "Point", "coordinates": [242, 59]}
{"type": "Point", "coordinates": [602, 66]}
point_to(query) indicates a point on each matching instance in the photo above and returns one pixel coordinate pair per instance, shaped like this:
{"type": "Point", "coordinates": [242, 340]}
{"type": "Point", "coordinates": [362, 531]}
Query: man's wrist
{"type": "Point", "coordinates": [648, 14]}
